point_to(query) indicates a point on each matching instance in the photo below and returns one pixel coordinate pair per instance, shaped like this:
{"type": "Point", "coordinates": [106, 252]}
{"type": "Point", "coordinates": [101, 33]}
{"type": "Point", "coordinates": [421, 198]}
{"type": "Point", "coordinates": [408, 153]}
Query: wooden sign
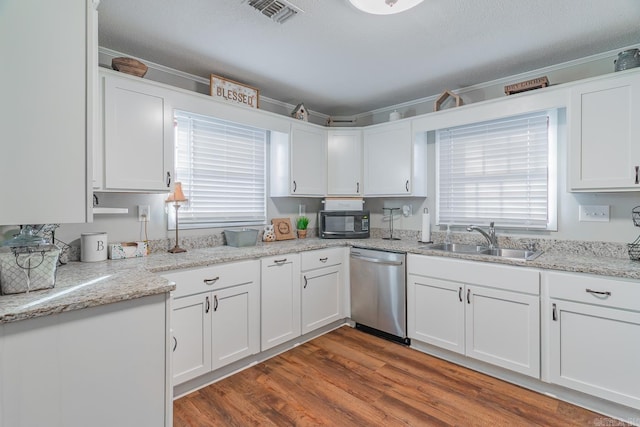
{"type": "Point", "coordinates": [234, 92]}
{"type": "Point", "coordinates": [527, 85]}
{"type": "Point", "coordinates": [283, 228]}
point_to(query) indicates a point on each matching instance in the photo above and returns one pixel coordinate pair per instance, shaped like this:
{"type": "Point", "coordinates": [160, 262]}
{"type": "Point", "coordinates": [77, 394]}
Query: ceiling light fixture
{"type": "Point", "coordinates": [384, 7]}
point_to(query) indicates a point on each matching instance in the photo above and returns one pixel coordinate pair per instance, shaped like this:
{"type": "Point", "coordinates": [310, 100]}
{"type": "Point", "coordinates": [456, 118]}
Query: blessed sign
{"type": "Point", "coordinates": [234, 92]}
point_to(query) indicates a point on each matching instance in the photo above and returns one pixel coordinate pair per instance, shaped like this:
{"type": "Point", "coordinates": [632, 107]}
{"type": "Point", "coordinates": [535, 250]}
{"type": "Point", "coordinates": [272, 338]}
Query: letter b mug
{"type": "Point", "coordinates": [93, 247]}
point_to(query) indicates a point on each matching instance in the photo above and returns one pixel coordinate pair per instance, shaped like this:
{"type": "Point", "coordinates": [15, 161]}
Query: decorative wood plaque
{"type": "Point", "coordinates": [283, 228]}
{"type": "Point", "coordinates": [234, 92]}
{"type": "Point", "coordinates": [527, 85]}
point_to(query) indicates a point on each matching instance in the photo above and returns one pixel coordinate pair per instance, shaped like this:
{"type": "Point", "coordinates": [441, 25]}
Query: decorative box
{"type": "Point", "coordinates": [127, 250]}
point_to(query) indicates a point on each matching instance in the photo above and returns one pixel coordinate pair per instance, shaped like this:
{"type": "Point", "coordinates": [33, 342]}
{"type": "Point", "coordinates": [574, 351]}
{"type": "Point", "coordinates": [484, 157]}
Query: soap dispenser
{"type": "Point", "coordinates": [447, 237]}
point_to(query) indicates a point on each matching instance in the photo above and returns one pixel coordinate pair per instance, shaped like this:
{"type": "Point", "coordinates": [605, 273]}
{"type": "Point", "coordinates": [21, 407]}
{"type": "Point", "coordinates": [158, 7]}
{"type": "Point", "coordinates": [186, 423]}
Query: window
{"type": "Point", "coordinates": [222, 167]}
{"type": "Point", "coordinates": [501, 170]}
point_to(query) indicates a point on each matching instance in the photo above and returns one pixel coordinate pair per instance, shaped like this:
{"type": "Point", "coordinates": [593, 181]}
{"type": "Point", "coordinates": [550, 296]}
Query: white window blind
{"type": "Point", "coordinates": [501, 170]}
{"type": "Point", "coordinates": [222, 167]}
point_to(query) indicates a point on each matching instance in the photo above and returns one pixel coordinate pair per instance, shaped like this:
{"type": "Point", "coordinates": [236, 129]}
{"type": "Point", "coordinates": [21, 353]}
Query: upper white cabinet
{"type": "Point", "coordinates": [604, 152]}
{"type": "Point", "coordinates": [344, 162]}
{"type": "Point", "coordinates": [485, 311]}
{"type": "Point", "coordinates": [137, 146]}
{"type": "Point", "coordinates": [49, 68]}
{"type": "Point", "coordinates": [593, 335]}
{"type": "Point", "coordinates": [394, 164]}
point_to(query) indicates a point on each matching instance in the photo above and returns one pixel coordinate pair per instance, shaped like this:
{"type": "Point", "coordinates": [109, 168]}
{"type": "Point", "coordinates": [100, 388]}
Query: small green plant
{"type": "Point", "coordinates": [302, 223]}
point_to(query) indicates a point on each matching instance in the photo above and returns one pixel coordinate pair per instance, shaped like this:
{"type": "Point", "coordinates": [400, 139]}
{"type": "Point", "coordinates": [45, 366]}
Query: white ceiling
{"type": "Point", "coordinates": [340, 61]}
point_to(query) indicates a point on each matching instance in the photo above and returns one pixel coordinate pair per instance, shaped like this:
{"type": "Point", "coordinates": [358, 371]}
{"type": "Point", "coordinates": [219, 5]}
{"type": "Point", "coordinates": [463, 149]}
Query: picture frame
{"type": "Point", "coordinates": [283, 228]}
{"type": "Point", "coordinates": [228, 90]}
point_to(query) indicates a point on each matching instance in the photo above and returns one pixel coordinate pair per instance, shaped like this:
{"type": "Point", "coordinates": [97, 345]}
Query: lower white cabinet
{"type": "Point", "coordinates": [280, 300]}
{"type": "Point", "coordinates": [101, 366]}
{"type": "Point", "coordinates": [216, 318]}
{"type": "Point", "coordinates": [485, 311]}
{"type": "Point", "coordinates": [594, 335]}
{"type": "Point", "coordinates": [323, 287]}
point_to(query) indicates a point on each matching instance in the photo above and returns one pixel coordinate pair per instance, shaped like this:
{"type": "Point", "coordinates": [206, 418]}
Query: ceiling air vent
{"type": "Point", "coordinates": [278, 10]}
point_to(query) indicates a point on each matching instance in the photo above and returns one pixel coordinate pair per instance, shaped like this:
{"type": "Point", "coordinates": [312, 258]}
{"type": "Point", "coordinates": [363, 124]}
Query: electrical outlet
{"type": "Point", "coordinates": [596, 213]}
{"type": "Point", "coordinates": [144, 213]}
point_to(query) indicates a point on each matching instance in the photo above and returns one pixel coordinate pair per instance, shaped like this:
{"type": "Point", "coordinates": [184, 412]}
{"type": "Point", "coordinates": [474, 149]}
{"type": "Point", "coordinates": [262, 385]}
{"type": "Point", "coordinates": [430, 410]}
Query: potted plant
{"type": "Point", "coordinates": [301, 225]}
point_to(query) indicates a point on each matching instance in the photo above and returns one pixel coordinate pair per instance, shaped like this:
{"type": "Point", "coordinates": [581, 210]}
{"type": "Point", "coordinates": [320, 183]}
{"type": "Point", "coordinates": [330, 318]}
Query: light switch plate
{"type": "Point", "coordinates": [596, 213]}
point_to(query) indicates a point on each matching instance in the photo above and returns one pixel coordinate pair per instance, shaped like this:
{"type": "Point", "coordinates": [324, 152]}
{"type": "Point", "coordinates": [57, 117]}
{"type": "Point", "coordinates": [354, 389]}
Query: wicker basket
{"type": "Point", "coordinates": [129, 66]}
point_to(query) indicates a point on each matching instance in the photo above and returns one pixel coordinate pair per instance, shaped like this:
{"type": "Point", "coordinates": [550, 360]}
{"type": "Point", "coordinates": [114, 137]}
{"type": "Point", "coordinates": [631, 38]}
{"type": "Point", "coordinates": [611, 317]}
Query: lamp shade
{"type": "Point", "coordinates": [384, 7]}
{"type": "Point", "coordinates": [177, 195]}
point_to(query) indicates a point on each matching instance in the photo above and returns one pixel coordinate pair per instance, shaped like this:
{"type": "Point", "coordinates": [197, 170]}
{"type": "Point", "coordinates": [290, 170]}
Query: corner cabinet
{"type": "Point", "coordinates": [280, 298]}
{"type": "Point", "coordinates": [136, 150]}
{"type": "Point", "coordinates": [215, 318]}
{"type": "Point", "coordinates": [604, 150]}
{"type": "Point", "coordinates": [394, 165]}
{"type": "Point", "coordinates": [593, 335]}
{"type": "Point", "coordinates": [344, 163]}
{"type": "Point", "coordinates": [49, 72]}
{"type": "Point", "coordinates": [299, 162]}
{"type": "Point", "coordinates": [484, 311]}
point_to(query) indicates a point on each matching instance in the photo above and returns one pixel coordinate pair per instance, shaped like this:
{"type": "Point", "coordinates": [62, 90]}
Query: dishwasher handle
{"type": "Point", "coordinates": [376, 260]}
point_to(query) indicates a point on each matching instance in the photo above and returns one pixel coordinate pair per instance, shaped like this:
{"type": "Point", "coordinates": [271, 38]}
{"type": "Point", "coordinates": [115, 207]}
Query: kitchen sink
{"type": "Point", "coordinates": [512, 253]}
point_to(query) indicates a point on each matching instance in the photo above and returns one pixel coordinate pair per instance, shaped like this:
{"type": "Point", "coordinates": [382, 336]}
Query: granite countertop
{"type": "Point", "coordinates": [83, 285]}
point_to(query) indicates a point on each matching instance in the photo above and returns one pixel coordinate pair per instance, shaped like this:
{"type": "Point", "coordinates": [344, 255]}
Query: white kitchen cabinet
{"type": "Point", "coordinates": [49, 57]}
{"type": "Point", "coordinates": [344, 162]}
{"type": "Point", "coordinates": [191, 340]}
{"type": "Point", "coordinates": [308, 160]}
{"type": "Point", "coordinates": [604, 153]}
{"type": "Point", "coordinates": [137, 146]}
{"type": "Point", "coordinates": [323, 287]}
{"type": "Point", "coordinates": [280, 300]}
{"type": "Point", "coordinates": [394, 164]}
{"type": "Point", "coordinates": [216, 318]}
{"type": "Point", "coordinates": [99, 366]}
{"type": "Point", "coordinates": [593, 335]}
{"type": "Point", "coordinates": [485, 311]}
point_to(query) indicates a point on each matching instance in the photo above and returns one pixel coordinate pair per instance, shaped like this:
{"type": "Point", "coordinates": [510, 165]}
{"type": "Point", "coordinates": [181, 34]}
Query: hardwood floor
{"type": "Point", "coordinates": [349, 378]}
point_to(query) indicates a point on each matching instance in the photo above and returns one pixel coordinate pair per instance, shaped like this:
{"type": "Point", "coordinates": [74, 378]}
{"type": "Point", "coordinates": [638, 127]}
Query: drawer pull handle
{"type": "Point", "coordinates": [591, 291]}
{"type": "Point", "coordinates": [554, 312]}
{"type": "Point", "coordinates": [468, 296]}
{"type": "Point", "coordinates": [306, 282]}
{"type": "Point", "coordinates": [207, 306]}
{"type": "Point", "coordinates": [324, 259]}
{"type": "Point", "coordinates": [211, 281]}
{"type": "Point", "coordinates": [460, 293]}
{"type": "Point", "coordinates": [215, 303]}
{"type": "Point", "coordinates": [175, 343]}
{"type": "Point", "coordinates": [280, 261]}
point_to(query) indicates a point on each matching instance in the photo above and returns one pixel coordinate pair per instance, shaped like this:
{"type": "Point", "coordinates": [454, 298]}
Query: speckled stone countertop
{"type": "Point", "coordinates": [83, 285]}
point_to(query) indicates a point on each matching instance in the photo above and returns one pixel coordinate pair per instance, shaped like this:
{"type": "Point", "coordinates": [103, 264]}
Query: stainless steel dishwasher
{"type": "Point", "coordinates": [378, 293]}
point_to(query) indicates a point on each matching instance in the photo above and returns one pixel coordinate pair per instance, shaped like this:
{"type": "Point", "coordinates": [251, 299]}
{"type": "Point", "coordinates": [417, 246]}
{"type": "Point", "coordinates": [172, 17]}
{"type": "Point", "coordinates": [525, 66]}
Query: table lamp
{"type": "Point", "coordinates": [176, 198]}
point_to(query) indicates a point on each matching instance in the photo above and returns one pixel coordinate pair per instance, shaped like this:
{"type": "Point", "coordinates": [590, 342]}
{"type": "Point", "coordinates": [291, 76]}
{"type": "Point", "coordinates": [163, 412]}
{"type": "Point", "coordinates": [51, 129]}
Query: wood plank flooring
{"type": "Point", "coordinates": [349, 378]}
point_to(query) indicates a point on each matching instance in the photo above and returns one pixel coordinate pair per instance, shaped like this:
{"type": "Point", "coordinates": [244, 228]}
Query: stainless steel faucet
{"type": "Point", "coordinates": [490, 236]}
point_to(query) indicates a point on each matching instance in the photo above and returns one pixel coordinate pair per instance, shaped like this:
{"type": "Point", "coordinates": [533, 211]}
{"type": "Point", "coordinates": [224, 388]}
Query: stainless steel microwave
{"type": "Point", "coordinates": [344, 224]}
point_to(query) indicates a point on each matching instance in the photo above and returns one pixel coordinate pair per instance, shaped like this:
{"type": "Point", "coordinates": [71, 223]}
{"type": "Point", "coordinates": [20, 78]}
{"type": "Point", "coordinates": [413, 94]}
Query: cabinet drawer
{"type": "Point", "coordinates": [193, 281]}
{"type": "Point", "coordinates": [590, 289]}
{"type": "Point", "coordinates": [518, 279]}
{"type": "Point", "coordinates": [321, 258]}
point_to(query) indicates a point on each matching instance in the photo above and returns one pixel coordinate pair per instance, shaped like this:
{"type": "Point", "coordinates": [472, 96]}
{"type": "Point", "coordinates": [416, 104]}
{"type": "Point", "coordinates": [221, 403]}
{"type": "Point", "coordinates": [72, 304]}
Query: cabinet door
{"type": "Point", "coordinates": [191, 325]}
{"type": "Point", "coordinates": [137, 136]}
{"type": "Point", "coordinates": [308, 161]}
{"type": "Point", "coordinates": [235, 325]}
{"type": "Point", "coordinates": [321, 297]}
{"type": "Point", "coordinates": [388, 160]}
{"type": "Point", "coordinates": [280, 300]}
{"type": "Point", "coordinates": [596, 350]}
{"type": "Point", "coordinates": [604, 127]}
{"type": "Point", "coordinates": [435, 312]}
{"type": "Point", "coordinates": [43, 113]}
{"type": "Point", "coordinates": [344, 163]}
{"type": "Point", "coordinates": [503, 328]}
